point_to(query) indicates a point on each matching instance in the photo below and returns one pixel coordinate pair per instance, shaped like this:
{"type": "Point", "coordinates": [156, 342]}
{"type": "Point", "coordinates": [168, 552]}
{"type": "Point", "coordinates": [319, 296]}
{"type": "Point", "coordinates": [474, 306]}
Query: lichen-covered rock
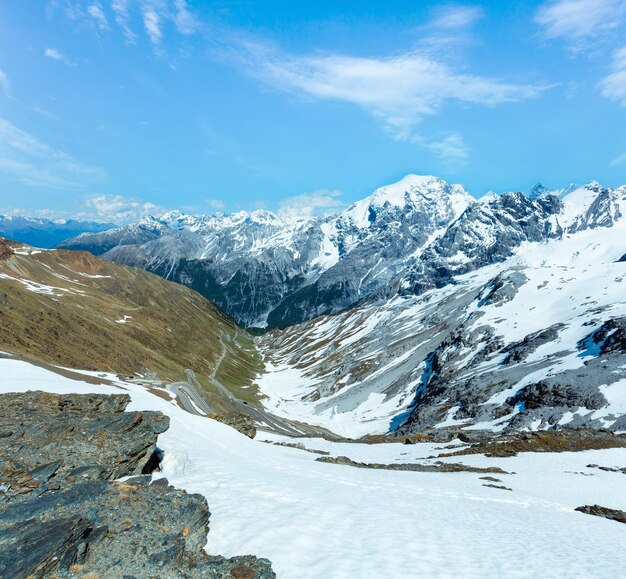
{"type": "Point", "coordinates": [90, 434]}
{"type": "Point", "coordinates": [62, 515]}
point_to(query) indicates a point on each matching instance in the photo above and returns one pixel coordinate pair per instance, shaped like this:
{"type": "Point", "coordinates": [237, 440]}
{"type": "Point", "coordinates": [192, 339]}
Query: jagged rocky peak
{"type": "Point", "coordinates": [421, 193]}
{"type": "Point", "coordinates": [537, 191]}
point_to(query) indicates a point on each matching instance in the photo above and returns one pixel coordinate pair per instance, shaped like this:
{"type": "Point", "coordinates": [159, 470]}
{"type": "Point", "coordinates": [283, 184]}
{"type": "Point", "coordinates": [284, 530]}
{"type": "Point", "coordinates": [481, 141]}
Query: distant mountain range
{"type": "Point", "coordinates": [267, 270]}
{"type": "Point", "coordinates": [46, 233]}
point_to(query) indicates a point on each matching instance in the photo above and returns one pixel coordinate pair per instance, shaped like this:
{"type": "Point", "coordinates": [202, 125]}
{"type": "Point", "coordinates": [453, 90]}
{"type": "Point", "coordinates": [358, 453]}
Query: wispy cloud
{"type": "Point", "coordinates": [619, 161]}
{"type": "Point", "coordinates": [320, 202]}
{"type": "Point", "coordinates": [614, 85]}
{"type": "Point", "coordinates": [30, 161]}
{"type": "Point", "coordinates": [454, 16]}
{"type": "Point", "coordinates": [398, 90]}
{"type": "Point", "coordinates": [5, 84]}
{"type": "Point", "coordinates": [581, 21]}
{"type": "Point", "coordinates": [186, 23]}
{"type": "Point", "coordinates": [54, 54]}
{"type": "Point", "coordinates": [451, 149]}
{"type": "Point", "coordinates": [155, 16]}
{"type": "Point", "coordinates": [97, 13]}
{"type": "Point", "coordinates": [152, 24]}
{"type": "Point", "coordinates": [122, 19]}
{"type": "Point", "coordinates": [216, 204]}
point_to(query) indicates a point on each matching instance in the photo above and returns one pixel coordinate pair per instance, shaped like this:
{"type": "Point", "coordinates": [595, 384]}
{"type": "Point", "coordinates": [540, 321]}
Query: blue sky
{"type": "Point", "coordinates": [111, 109]}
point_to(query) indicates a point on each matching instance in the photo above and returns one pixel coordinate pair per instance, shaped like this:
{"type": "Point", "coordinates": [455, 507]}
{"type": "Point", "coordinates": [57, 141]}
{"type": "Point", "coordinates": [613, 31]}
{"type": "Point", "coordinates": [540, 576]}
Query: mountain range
{"type": "Point", "coordinates": [417, 309]}
{"type": "Point", "coordinates": [267, 270]}
{"type": "Point", "coordinates": [43, 232]}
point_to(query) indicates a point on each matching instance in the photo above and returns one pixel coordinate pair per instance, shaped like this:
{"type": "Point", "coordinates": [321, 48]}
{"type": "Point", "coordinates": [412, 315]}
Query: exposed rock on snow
{"type": "Point", "coordinates": [598, 511]}
{"type": "Point", "coordinates": [533, 343]}
{"type": "Point", "coordinates": [432, 467]}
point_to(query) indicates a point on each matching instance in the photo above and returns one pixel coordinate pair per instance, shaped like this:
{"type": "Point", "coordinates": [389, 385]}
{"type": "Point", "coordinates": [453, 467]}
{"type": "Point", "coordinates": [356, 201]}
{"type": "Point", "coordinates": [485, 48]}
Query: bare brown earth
{"type": "Point", "coordinates": [566, 440]}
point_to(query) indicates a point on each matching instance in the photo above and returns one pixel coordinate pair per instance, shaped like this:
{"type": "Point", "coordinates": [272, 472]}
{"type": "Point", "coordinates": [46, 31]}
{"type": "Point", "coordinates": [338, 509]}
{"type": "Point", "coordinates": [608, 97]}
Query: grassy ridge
{"type": "Point", "coordinates": [67, 308]}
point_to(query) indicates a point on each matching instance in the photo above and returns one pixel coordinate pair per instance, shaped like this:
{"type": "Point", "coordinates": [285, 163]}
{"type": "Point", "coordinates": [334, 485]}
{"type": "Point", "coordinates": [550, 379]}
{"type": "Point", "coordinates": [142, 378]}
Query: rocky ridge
{"type": "Point", "coordinates": [63, 514]}
{"type": "Point", "coordinates": [536, 342]}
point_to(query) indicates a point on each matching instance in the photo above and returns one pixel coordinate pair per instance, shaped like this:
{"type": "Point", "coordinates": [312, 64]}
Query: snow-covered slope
{"type": "Point", "coordinates": [325, 520]}
{"type": "Point", "coordinates": [534, 341]}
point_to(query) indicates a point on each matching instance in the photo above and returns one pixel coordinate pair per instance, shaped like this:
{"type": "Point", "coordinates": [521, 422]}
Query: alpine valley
{"type": "Point", "coordinates": [481, 336]}
{"type": "Point", "coordinates": [418, 308]}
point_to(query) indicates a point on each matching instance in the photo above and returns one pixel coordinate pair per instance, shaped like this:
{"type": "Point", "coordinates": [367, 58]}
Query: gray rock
{"type": "Point", "coordinates": [61, 514]}
{"type": "Point", "coordinates": [604, 512]}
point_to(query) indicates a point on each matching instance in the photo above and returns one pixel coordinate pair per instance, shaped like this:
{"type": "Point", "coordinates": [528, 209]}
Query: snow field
{"type": "Point", "coordinates": [323, 520]}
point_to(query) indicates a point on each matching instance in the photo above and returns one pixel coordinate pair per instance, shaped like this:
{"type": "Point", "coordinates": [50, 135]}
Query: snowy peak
{"type": "Point", "coordinates": [590, 206]}
{"type": "Point", "coordinates": [409, 189]}
{"type": "Point", "coordinates": [414, 193]}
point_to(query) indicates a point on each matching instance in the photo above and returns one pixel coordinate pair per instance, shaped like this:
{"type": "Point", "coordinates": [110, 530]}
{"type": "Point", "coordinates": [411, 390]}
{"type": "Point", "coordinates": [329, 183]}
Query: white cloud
{"type": "Point", "coordinates": [319, 202]}
{"type": "Point", "coordinates": [185, 21]}
{"type": "Point", "coordinates": [32, 162]}
{"type": "Point", "coordinates": [43, 213]}
{"type": "Point", "coordinates": [579, 21]}
{"type": "Point", "coordinates": [618, 161]}
{"type": "Point", "coordinates": [454, 16]}
{"type": "Point", "coordinates": [117, 209]}
{"type": "Point", "coordinates": [614, 85]}
{"type": "Point", "coordinates": [452, 150]}
{"type": "Point", "coordinates": [120, 8]}
{"type": "Point", "coordinates": [54, 54]}
{"type": "Point", "coordinates": [5, 84]}
{"type": "Point", "coordinates": [46, 114]}
{"type": "Point", "coordinates": [151, 22]}
{"type": "Point", "coordinates": [216, 204]}
{"type": "Point", "coordinates": [398, 90]}
{"type": "Point", "coordinates": [95, 11]}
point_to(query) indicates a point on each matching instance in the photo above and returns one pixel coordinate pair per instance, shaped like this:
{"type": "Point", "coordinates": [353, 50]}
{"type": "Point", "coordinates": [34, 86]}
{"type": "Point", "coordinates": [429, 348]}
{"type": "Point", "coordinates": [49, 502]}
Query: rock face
{"type": "Point", "coordinates": [532, 343]}
{"type": "Point", "coordinates": [62, 514]}
{"type": "Point", "coordinates": [266, 269]}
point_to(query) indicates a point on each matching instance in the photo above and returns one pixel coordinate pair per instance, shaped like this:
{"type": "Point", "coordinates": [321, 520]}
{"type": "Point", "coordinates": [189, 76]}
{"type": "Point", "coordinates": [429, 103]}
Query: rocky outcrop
{"type": "Point", "coordinates": [89, 434]}
{"type": "Point", "coordinates": [61, 512]}
{"type": "Point", "coordinates": [563, 440]}
{"type": "Point", "coordinates": [547, 394]}
{"type": "Point", "coordinates": [519, 351]}
{"type": "Point", "coordinates": [610, 337]}
{"type": "Point", "coordinates": [412, 467]}
{"type": "Point", "coordinates": [604, 512]}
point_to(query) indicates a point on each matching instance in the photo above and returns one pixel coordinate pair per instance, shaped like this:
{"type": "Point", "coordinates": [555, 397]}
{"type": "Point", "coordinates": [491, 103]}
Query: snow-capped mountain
{"type": "Point", "coordinates": [268, 270]}
{"type": "Point", "coordinates": [533, 342]}
{"type": "Point", "coordinates": [264, 268]}
{"type": "Point", "coordinates": [46, 233]}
